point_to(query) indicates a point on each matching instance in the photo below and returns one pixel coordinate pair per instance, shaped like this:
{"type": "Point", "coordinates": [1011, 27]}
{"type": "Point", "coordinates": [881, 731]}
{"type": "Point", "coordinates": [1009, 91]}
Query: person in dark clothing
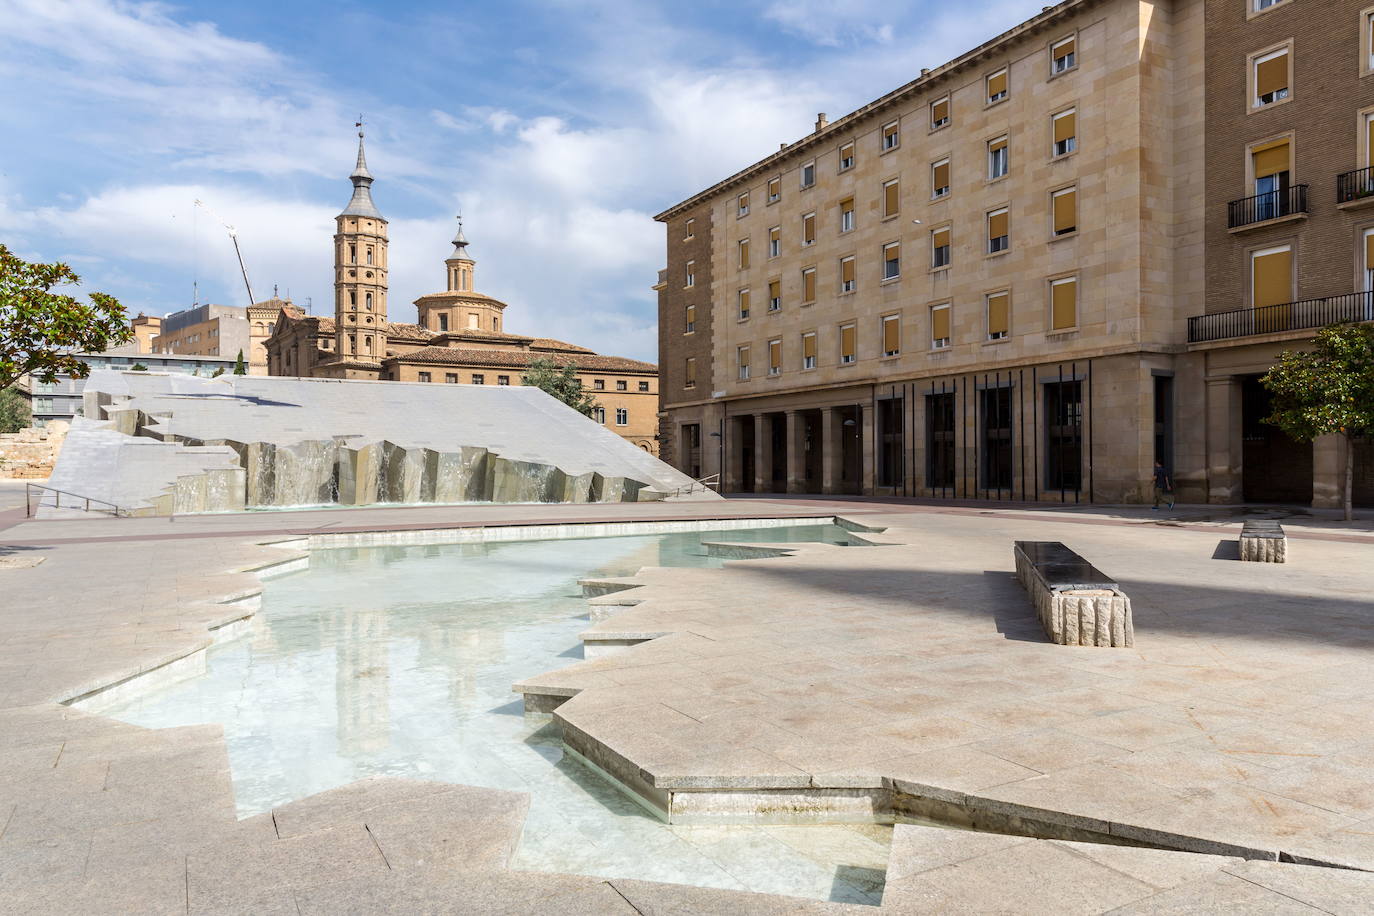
{"type": "Point", "coordinates": [1164, 486]}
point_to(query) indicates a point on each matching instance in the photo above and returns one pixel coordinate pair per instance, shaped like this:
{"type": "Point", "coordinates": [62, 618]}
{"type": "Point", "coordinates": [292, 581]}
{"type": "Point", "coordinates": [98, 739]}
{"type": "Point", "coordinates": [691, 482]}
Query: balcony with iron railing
{"type": "Point", "coordinates": [1263, 208]}
{"type": "Point", "coordinates": [1352, 187]}
{"type": "Point", "coordinates": [1277, 319]}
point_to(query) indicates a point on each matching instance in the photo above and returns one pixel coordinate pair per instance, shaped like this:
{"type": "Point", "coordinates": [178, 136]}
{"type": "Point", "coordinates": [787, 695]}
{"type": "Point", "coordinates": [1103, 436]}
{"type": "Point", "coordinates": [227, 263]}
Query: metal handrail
{"type": "Point", "coordinates": [1269, 205]}
{"type": "Point", "coordinates": [709, 482]}
{"type": "Point", "coordinates": [113, 509]}
{"type": "Point", "coordinates": [1286, 316]}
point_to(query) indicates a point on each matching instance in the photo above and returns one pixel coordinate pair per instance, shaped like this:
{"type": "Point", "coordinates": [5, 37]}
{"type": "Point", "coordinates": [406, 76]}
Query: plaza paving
{"type": "Point", "coordinates": [1238, 724]}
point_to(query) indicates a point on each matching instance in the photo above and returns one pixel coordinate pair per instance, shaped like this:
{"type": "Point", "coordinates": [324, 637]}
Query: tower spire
{"type": "Point", "coordinates": [361, 204]}
{"type": "Point", "coordinates": [460, 242]}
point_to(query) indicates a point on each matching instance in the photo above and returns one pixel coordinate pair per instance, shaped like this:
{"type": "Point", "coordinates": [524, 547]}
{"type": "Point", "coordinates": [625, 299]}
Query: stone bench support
{"type": "Point", "coordinates": [1076, 604]}
{"type": "Point", "coordinates": [1263, 541]}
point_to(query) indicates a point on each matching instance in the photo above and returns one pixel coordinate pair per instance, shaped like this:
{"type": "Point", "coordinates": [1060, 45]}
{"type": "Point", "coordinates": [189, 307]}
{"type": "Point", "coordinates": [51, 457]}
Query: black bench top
{"type": "Point", "coordinates": [1261, 528]}
{"type": "Point", "coordinates": [1062, 569]}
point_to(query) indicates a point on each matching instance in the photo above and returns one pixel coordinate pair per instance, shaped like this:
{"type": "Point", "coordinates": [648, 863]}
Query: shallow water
{"type": "Point", "coordinates": [399, 661]}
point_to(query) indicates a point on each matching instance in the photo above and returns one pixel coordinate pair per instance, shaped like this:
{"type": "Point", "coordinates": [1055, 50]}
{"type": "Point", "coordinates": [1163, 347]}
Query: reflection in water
{"type": "Point", "coordinates": [399, 661]}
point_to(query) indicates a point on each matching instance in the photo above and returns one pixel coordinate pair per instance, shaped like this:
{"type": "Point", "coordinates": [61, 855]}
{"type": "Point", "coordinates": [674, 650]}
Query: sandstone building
{"type": "Point", "coordinates": [980, 285]}
{"type": "Point", "coordinates": [460, 337]}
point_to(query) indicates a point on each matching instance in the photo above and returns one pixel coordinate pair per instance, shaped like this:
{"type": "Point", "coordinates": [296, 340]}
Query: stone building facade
{"type": "Point", "coordinates": [460, 337]}
{"type": "Point", "coordinates": [966, 288]}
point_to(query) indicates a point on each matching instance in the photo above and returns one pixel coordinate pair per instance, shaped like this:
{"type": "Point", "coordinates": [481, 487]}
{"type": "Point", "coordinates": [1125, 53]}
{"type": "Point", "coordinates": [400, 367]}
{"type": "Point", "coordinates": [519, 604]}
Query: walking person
{"type": "Point", "coordinates": [1164, 486]}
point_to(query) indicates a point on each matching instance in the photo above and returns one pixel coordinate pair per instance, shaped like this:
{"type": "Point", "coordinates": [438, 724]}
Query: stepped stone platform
{"type": "Point", "coordinates": [294, 442]}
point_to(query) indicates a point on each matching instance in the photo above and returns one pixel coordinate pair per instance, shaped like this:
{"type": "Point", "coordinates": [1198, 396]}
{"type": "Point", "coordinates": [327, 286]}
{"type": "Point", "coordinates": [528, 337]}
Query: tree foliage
{"type": "Point", "coordinates": [1328, 390]}
{"type": "Point", "coordinates": [14, 411]}
{"type": "Point", "coordinates": [42, 331]}
{"type": "Point", "coordinates": [239, 367]}
{"type": "Point", "coordinates": [561, 381]}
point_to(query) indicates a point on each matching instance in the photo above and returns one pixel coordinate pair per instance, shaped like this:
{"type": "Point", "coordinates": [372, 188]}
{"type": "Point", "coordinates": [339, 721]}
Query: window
{"type": "Point", "coordinates": [892, 260]}
{"type": "Point", "coordinates": [809, 350]}
{"type": "Point", "coordinates": [368, 300]}
{"type": "Point", "coordinates": [892, 137]}
{"type": "Point", "coordinates": [478, 379]}
{"type": "Point", "coordinates": [808, 284]}
{"type": "Point", "coordinates": [1265, 4]}
{"type": "Point", "coordinates": [996, 454]}
{"type": "Point", "coordinates": [742, 361]}
{"type": "Point", "coordinates": [622, 385]}
{"type": "Point", "coordinates": [742, 204]}
{"type": "Point", "coordinates": [643, 386]}
{"type": "Point", "coordinates": [999, 315]}
{"type": "Point", "coordinates": [599, 384]}
{"type": "Point", "coordinates": [369, 254]}
{"type": "Point", "coordinates": [808, 229]}
{"type": "Point", "coordinates": [775, 241]}
{"type": "Point", "coordinates": [847, 282]}
{"type": "Point", "coordinates": [691, 229]}
{"type": "Point", "coordinates": [503, 380]}
{"type": "Point", "coordinates": [892, 198]}
{"type": "Point", "coordinates": [1271, 278]}
{"type": "Point", "coordinates": [774, 190]}
{"type": "Point", "coordinates": [774, 295]}
{"type": "Point", "coordinates": [1270, 163]}
{"type": "Point", "coordinates": [744, 303]}
{"type": "Point", "coordinates": [1270, 76]}
{"type": "Point", "coordinates": [940, 438]}
{"type": "Point", "coordinates": [847, 214]}
{"type": "Point", "coordinates": [1064, 435]}
{"type": "Point", "coordinates": [743, 254]}
{"type": "Point", "coordinates": [353, 254]}
{"type": "Point", "coordinates": [999, 232]}
{"type": "Point", "coordinates": [475, 322]}
{"type": "Point", "coordinates": [847, 156]}
{"type": "Point", "coordinates": [450, 378]}
{"type": "Point", "coordinates": [808, 174]}
{"type": "Point", "coordinates": [892, 335]}
{"type": "Point", "coordinates": [691, 279]}
{"type": "Point", "coordinates": [689, 374]}
{"type": "Point", "coordinates": [443, 322]}
{"type": "Point", "coordinates": [939, 326]}
{"type": "Point", "coordinates": [849, 352]}
{"type": "Point", "coordinates": [1065, 128]}
{"type": "Point", "coordinates": [599, 415]}
{"type": "Point", "coordinates": [424, 376]}
{"type": "Point", "coordinates": [1063, 304]}
{"type": "Point", "coordinates": [997, 158]}
{"type": "Point", "coordinates": [1064, 211]}
{"type": "Point", "coordinates": [997, 86]}
{"type": "Point", "coordinates": [1368, 40]}
{"type": "Point", "coordinates": [939, 248]}
{"type": "Point", "coordinates": [1062, 56]}
{"type": "Point", "coordinates": [690, 325]}
{"type": "Point", "coordinates": [775, 357]}
{"type": "Point", "coordinates": [939, 113]}
{"type": "Point", "coordinates": [622, 417]}
{"type": "Point", "coordinates": [939, 178]}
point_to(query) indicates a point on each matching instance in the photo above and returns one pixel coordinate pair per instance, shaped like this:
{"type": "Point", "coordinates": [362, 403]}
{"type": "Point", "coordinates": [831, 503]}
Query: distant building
{"type": "Point", "coordinates": [61, 400]}
{"type": "Point", "coordinates": [145, 328]}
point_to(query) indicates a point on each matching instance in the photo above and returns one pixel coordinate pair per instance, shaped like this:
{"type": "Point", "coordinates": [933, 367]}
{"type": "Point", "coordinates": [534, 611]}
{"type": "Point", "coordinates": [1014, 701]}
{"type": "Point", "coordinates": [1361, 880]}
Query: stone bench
{"type": "Point", "coordinates": [1263, 541]}
{"type": "Point", "coordinates": [1077, 604]}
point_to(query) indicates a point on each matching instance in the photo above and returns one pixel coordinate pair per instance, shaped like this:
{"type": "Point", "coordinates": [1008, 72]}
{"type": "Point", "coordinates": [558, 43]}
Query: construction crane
{"type": "Point", "coordinates": [234, 236]}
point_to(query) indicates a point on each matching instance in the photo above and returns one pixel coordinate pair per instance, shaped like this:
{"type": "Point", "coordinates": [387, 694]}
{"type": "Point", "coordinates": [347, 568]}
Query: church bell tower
{"type": "Point", "coordinates": [360, 266]}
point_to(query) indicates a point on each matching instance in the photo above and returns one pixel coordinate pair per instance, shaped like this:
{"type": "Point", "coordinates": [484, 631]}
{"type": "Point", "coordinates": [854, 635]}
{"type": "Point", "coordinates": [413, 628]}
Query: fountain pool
{"type": "Point", "coordinates": [399, 660]}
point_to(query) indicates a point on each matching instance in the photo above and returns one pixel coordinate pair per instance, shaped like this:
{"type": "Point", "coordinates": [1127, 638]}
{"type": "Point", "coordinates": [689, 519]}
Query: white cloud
{"type": "Point", "coordinates": [832, 23]}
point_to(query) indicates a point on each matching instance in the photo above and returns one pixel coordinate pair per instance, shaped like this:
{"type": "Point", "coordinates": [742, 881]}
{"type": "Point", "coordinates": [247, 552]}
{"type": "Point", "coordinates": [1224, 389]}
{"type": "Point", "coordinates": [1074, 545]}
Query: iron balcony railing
{"type": "Point", "coordinates": [1354, 185]}
{"type": "Point", "coordinates": [1289, 316]}
{"type": "Point", "coordinates": [1267, 206]}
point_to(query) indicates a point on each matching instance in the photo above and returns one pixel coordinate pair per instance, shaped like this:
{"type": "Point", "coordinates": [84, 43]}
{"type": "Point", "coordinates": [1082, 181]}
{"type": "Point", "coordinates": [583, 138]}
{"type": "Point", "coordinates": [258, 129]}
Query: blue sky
{"type": "Point", "coordinates": [558, 127]}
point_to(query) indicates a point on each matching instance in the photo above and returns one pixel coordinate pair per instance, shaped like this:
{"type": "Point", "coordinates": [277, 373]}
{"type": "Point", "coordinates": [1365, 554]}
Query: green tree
{"type": "Point", "coordinates": [561, 381]}
{"type": "Point", "coordinates": [138, 367]}
{"type": "Point", "coordinates": [42, 332]}
{"type": "Point", "coordinates": [239, 367]}
{"type": "Point", "coordinates": [1328, 390]}
{"type": "Point", "coordinates": [14, 411]}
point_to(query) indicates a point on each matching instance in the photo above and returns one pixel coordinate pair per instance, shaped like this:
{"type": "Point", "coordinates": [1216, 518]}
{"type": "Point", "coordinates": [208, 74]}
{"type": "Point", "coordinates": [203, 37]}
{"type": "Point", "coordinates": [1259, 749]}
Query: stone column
{"type": "Point", "coordinates": [763, 453]}
{"type": "Point", "coordinates": [796, 452]}
{"type": "Point", "coordinates": [831, 454]}
{"type": "Point", "coordinates": [868, 449]}
{"type": "Point", "coordinates": [1328, 471]}
{"type": "Point", "coordinates": [734, 455]}
{"type": "Point", "coordinates": [1224, 440]}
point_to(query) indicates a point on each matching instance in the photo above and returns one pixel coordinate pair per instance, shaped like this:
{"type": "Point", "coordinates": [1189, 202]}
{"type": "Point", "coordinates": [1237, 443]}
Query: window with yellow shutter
{"type": "Point", "coordinates": [742, 361]}
{"type": "Point", "coordinates": [744, 254]}
{"type": "Point", "coordinates": [1270, 78]}
{"type": "Point", "coordinates": [742, 204]}
{"type": "Point", "coordinates": [999, 231]}
{"type": "Point", "coordinates": [809, 229]}
{"type": "Point", "coordinates": [848, 345]}
{"type": "Point", "coordinates": [1064, 304]}
{"type": "Point", "coordinates": [997, 86]}
{"type": "Point", "coordinates": [774, 190]}
{"type": "Point", "coordinates": [691, 229]}
{"type": "Point", "coordinates": [809, 350]}
{"type": "Point", "coordinates": [939, 178]}
{"type": "Point", "coordinates": [892, 335]}
{"type": "Point", "coordinates": [847, 280]}
{"type": "Point", "coordinates": [1368, 269]}
{"type": "Point", "coordinates": [775, 241]}
{"type": "Point", "coordinates": [689, 378]}
{"type": "Point", "coordinates": [939, 113]}
{"type": "Point", "coordinates": [891, 198]}
{"type": "Point", "coordinates": [1064, 127]}
{"type": "Point", "coordinates": [939, 248]}
{"type": "Point", "coordinates": [775, 357]}
{"type": "Point", "coordinates": [998, 158]}
{"type": "Point", "coordinates": [939, 326]}
{"type": "Point", "coordinates": [809, 285]}
{"type": "Point", "coordinates": [847, 156]}
{"type": "Point", "coordinates": [847, 214]}
{"type": "Point", "coordinates": [1063, 54]}
{"type": "Point", "coordinates": [891, 136]}
{"type": "Point", "coordinates": [892, 260]}
{"type": "Point", "coordinates": [774, 295]}
{"type": "Point", "coordinates": [691, 324]}
{"type": "Point", "coordinates": [1271, 164]}
{"type": "Point", "coordinates": [1271, 288]}
{"type": "Point", "coordinates": [744, 303]}
{"type": "Point", "coordinates": [999, 315]}
{"type": "Point", "coordinates": [691, 278]}
{"type": "Point", "coordinates": [1064, 211]}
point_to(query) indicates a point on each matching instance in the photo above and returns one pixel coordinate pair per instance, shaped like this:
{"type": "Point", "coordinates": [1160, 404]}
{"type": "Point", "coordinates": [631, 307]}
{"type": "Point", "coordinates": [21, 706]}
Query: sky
{"type": "Point", "coordinates": [558, 128]}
